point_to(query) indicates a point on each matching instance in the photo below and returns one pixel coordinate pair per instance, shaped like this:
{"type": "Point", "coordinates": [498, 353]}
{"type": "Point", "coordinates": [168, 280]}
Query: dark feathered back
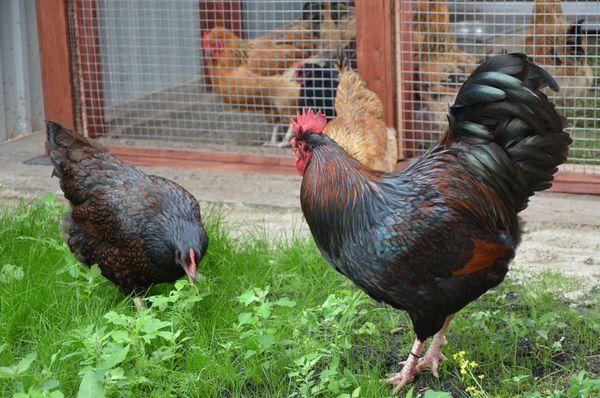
{"type": "Point", "coordinates": [515, 136]}
{"type": "Point", "coordinates": [129, 223]}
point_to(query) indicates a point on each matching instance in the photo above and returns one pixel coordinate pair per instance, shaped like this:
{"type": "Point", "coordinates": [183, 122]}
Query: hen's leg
{"type": "Point", "coordinates": [407, 374]}
{"type": "Point", "coordinates": [286, 140]}
{"type": "Point", "coordinates": [273, 141]}
{"type": "Point", "coordinates": [434, 355]}
{"type": "Point", "coordinates": [140, 303]}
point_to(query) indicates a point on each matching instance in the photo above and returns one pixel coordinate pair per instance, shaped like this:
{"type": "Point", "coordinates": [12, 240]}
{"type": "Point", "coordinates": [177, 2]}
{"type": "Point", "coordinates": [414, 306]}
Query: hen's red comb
{"type": "Point", "coordinates": [309, 122]}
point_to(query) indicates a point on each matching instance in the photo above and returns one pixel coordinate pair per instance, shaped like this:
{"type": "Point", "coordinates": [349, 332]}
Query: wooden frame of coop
{"type": "Point", "coordinates": [385, 61]}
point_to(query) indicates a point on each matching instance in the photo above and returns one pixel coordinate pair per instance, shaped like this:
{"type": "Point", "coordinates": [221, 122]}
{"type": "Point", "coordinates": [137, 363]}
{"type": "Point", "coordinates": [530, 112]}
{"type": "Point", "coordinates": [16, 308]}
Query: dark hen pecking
{"type": "Point", "coordinates": [140, 229]}
{"type": "Point", "coordinates": [434, 237]}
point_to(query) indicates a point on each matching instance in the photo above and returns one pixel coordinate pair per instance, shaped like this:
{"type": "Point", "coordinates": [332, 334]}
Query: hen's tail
{"type": "Point", "coordinates": [509, 132]}
{"type": "Point", "coordinates": [353, 98]}
{"type": "Point", "coordinates": [66, 146]}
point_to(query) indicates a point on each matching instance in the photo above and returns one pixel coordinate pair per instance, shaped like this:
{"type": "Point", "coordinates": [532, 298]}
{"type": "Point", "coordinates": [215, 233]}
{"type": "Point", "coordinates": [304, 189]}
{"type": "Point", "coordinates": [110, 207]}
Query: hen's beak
{"type": "Point", "coordinates": [192, 268]}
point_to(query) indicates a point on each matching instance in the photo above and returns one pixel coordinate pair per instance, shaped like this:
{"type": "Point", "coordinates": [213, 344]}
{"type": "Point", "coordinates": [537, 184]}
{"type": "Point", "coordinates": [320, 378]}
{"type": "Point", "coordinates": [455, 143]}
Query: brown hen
{"type": "Point", "coordinates": [140, 229]}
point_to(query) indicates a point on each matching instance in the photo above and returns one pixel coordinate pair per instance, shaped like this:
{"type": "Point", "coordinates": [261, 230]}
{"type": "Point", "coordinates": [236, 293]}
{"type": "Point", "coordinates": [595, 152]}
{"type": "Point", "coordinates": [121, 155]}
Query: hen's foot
{"type": "Point", "coordinates": [272, 143]}
{"type": "Point", "coordinates": [140, 303]}
{"type": "Point", "coordinates": [283, 144]}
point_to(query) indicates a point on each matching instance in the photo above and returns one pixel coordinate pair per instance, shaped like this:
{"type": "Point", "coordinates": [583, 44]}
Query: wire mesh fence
{"type": "Point", "coordinates": [448, 38]}
{"type": "Point", "coordinates": [202, 72]}
{"type": "Point", "coordinates": [223, 73]}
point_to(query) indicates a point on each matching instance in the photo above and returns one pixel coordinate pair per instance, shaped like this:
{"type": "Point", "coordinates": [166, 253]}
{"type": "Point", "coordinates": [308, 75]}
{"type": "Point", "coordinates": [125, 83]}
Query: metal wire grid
{"type": "Point", "coordinates": [144, 74]}
{"type": "Point", "coordinates": [450, 37]}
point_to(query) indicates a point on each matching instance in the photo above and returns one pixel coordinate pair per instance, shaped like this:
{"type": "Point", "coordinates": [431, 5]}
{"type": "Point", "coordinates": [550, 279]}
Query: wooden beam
{"type": "Point", "coordinates": [89, 67]}
{"type": "Point", "coordinates": [374, 33]}
{"type": "Point", "coordinates": [570, 182]}
{"type": "Point", "coordinates": [205, 160]}
{"type": "Point", "coordinates": [55, 61]}
{"type": "Point", "coordinates": [567, 182]}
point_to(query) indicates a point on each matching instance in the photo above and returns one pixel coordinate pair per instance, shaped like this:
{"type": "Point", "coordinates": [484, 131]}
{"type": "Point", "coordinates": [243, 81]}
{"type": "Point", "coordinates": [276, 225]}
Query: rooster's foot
{"type": "Point", "coordinates": [434, 355]}
{"type": "Point", "coordinates": [407, 374]}
{"type": "Point", "coordinates": [432, 359]}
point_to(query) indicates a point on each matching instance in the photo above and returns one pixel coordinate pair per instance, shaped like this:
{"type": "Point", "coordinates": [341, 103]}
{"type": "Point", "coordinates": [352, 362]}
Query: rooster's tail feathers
{"type": "Point", "coordinates": [513, 135]}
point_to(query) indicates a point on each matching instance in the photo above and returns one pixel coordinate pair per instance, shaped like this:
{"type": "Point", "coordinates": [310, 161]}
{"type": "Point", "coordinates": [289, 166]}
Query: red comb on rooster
{"type": "Point", "coordinates": [309, 122]}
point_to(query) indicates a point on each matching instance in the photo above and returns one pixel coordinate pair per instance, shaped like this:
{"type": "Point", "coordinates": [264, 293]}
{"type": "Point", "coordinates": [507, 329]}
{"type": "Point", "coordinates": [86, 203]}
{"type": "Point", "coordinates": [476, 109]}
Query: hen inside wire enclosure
{"type": "Point", "coordinates": [201, 73]}
{"type": "Point", "coordinates": [228, 74]}
{"type": "Point", "coordinates": [449, 39]}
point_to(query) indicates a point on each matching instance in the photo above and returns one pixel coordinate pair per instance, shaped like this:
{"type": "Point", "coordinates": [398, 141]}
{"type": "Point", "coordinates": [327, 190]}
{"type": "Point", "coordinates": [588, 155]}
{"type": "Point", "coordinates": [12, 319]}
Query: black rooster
{"type": "Point", "coordinates": [434, 237]}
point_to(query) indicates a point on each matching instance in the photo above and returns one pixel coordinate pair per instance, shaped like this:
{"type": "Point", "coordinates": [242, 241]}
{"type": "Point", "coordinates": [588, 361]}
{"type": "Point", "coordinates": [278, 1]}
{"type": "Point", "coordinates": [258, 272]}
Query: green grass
{"type": "Point", "coordinates": [266, 320]}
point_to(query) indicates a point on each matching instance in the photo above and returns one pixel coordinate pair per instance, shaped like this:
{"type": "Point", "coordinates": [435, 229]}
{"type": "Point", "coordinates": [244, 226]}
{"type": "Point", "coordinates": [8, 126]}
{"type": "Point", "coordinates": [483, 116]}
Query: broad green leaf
{"type": "Point", "coordinates": [7, 372]}
{"type": "Point", "coordinates": [26, 362]}
{"type": "Point", "coordinates": [436, 394]}
{"type": "Point", "coordinates": [266, 340]}
{"type": "Point", "coordinates": [247, 297]}
{"type": "Point", "coordinates": [285, 302]}
{"type": "Point", "coordinates": [90, 387]}
{"type": "Point", "coordinates": [264, 310]}
{"type": "Point", "coordinates": [49, 384]}
{"type": "Point", "coordinates": [11, 272]}
{"type": "Point", "coordinates": [114, 355]}
{"type": "Point", "coordinates": [244, 318]}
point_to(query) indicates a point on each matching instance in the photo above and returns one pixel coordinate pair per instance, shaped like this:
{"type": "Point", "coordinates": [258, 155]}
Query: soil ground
{"type": "Point", "coordinates": [562, 232]}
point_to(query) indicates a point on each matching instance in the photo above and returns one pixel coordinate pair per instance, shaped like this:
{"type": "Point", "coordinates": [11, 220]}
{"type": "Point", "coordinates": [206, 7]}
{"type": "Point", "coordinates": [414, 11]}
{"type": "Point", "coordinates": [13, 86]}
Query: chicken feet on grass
{"type": "Point", "coordinates": [407, 374]}
{"type": "Point", "coordinates": [434, 355]}
{"type": "Point", "coordinates": [140, 303]}
{"type": "Point", "coordinates": [415, 364]}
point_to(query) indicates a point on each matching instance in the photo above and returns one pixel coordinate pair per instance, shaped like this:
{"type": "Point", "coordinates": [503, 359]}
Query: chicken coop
{"type": "Point", "coordinates": [214, 82]}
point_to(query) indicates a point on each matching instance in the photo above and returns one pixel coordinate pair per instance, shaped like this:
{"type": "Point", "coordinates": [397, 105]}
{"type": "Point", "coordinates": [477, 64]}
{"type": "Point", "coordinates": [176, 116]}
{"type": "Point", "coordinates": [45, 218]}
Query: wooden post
{"type": "Point", "coordinates": [227, 14]}
{"type": "Point", "coordinates": [374, 33]}
{"type": "Point", "coordinates": [89, 67]}
{"type": "Point", "coordinates": [55, 61]}
{"type": "Point", "coordinates": [405, 77]}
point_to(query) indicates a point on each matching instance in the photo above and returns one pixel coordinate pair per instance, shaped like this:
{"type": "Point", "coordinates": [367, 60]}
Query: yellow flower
{"type": "Point", "coordinates": [463, 371]}
{"type": "Point", "coordinates": [474, 364]}
{"type": "Point", "coordinates": [481, 377]}
{"type": "Point", "coordinates": [473, 391]}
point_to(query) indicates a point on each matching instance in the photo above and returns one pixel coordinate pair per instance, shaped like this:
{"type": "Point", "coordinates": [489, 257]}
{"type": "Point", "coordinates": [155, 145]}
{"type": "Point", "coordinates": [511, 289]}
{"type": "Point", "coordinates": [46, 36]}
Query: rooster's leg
{"type": "Point", "coordinates": [139, 302]}
{"type": "Point", "coordinates": [434, 355]}
{"type": "Point", "coordinates": [407, 373]}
